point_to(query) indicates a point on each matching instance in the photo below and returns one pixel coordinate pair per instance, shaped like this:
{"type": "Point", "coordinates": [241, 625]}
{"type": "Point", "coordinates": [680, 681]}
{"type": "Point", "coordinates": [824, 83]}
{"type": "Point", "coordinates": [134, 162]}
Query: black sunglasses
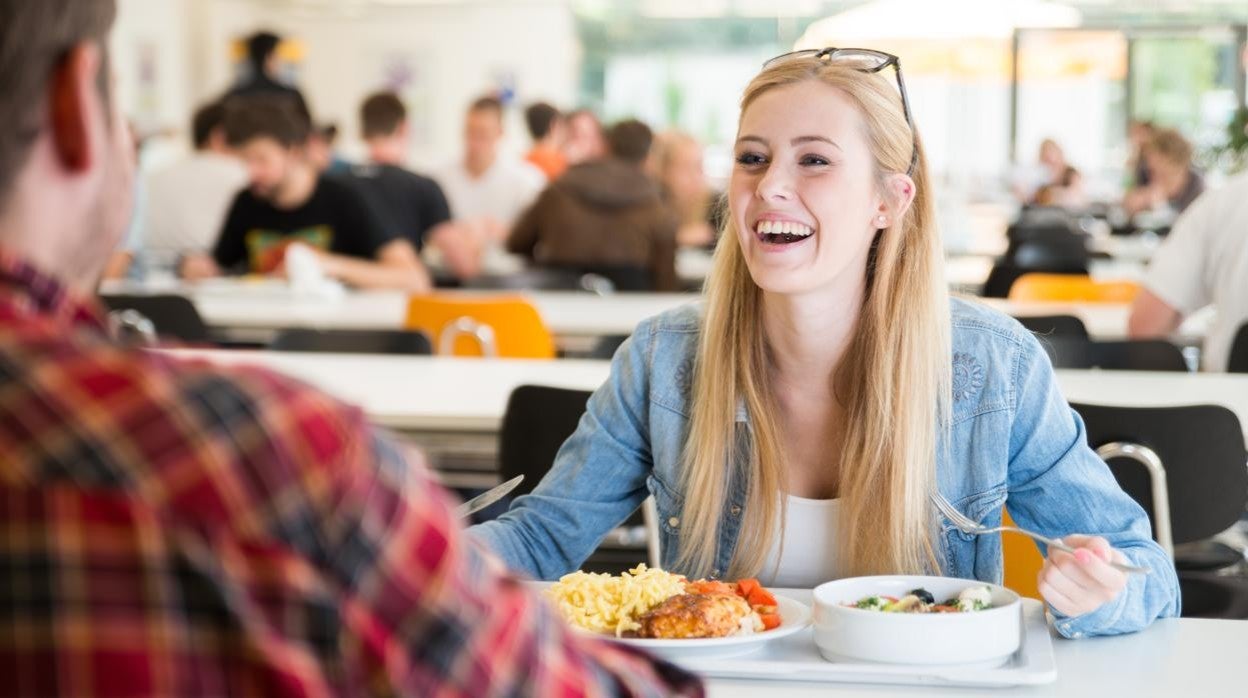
{"type": "Point", "coordinates": [868, 61]}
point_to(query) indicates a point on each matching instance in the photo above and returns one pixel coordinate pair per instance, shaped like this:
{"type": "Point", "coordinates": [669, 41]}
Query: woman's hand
{"type": "Point", "coordinates": [1083, 582]}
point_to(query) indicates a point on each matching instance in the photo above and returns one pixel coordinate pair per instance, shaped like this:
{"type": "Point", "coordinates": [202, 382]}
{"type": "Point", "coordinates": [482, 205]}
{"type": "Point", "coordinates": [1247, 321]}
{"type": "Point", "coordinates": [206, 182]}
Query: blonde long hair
{"type": "Point", "coordinates": [895, 375]}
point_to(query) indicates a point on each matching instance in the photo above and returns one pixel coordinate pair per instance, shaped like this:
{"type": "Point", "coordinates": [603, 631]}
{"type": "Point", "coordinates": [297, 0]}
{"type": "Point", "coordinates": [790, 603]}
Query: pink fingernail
{"type": "Point", "coordinates": [1083, 556]}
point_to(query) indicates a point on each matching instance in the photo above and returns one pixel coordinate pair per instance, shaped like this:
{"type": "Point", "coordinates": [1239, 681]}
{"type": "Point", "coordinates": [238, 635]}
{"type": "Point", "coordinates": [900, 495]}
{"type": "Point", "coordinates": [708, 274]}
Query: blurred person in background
{"type": "Point", "coordinates": [290, 202]}
{"type": "Point", "coordinates": [413, 204]}
{"type": "Point", "coordinates": [486, 189]}
{"type": "Point", "coordinates": [585, 137]}
{"type": "Point", "coordinates": [322, 151]}
{"type": "Point", "coordinates": [1172, 180]}
{"type": "Point", "coordinates": [547, 128]}
{"type": "Point", "coordinates": [187, 200]}
{"type": "Point", "coordinates": [262, 78]}
{"type": "Point", "coordinates": [1203, 261]}
{"type": "Point", "coordinates": [1062, 185]}
{"type": "Point", "coordinates": [605, 216]}
{"type": "Point", "coordinates": [1139, 133]}
{"type": "Point", "coordinates": [676, 164]}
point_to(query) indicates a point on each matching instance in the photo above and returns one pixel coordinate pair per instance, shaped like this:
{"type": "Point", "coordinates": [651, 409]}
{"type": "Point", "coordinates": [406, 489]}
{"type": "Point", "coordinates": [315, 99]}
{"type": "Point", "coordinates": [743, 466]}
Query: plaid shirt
{"type": "Point", "coordinates": [170, 528]}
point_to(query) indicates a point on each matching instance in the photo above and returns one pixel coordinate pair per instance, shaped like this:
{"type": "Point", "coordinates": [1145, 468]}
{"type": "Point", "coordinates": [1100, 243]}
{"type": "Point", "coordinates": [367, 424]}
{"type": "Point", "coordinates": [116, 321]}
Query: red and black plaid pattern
{"type": "Point", "coordinates": [170, 528]}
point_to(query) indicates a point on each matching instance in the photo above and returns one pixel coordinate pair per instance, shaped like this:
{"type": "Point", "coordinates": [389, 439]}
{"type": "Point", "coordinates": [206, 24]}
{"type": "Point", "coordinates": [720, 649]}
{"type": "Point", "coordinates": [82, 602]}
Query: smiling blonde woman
{"type": "Point", "coordinates": [793, 426]}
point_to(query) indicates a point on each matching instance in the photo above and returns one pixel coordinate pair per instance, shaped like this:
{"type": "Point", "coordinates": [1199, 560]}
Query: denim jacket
{"type": "Point", "coordinates": [1013, 436]}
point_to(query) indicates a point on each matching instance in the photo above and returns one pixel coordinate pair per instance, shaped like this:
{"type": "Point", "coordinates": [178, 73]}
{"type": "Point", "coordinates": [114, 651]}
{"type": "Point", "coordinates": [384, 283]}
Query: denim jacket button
{"type": "Point", "coordinates": [736, 510]}
{"type": "Point", "coordinates": [715, 573]}
{"type": "Point", "coordinates": [673, 522]}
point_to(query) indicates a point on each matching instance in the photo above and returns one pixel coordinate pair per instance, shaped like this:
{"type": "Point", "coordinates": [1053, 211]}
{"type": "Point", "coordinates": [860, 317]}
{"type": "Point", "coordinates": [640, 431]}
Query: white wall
{"type": "Point", "coordinates": [148, 49]}
{"type": "Point", "coordinates": [454, 52]}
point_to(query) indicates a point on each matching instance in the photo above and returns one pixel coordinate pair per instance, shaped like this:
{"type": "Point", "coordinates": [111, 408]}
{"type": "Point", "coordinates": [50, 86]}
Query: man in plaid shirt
{"type": "Point", "coordinates": [169, 528]}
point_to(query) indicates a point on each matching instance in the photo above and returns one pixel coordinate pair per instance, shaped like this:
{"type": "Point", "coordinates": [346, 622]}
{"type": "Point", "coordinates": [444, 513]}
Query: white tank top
{"type": "Point", "coordinates": [809, 556]}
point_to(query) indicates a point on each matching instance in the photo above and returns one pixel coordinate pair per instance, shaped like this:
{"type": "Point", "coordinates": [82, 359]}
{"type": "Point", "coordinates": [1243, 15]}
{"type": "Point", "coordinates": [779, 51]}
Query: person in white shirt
{"type": "Point", "coordinates": [187, 200]}
{"type": "Point", "coordinates": [1203, 261]}
{"type": "Point", "coordinates": [486, 191]}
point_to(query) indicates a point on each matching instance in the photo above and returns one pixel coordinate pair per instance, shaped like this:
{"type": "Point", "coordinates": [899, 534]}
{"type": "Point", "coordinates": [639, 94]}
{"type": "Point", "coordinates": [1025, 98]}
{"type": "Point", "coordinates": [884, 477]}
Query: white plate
{"type": "Point", "coordinates": [794, 617]}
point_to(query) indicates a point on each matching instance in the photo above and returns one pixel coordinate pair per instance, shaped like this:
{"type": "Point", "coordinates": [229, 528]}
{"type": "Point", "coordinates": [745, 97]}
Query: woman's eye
{"type": "Point", "coordinates": [749, 159]}
{"type": "Point", "coordinates": [814, 160]}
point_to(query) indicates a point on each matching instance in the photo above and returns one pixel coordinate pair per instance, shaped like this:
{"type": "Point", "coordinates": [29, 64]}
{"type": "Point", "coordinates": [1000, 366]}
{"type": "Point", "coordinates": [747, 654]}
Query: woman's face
{"type": "Point", "coordinates": [803, 191]}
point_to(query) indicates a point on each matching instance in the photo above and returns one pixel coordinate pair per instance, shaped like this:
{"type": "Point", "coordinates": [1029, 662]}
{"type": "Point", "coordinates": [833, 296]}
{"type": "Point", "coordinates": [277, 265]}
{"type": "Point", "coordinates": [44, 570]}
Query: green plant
{"type": "Point", "coordinates": [1231, 155]}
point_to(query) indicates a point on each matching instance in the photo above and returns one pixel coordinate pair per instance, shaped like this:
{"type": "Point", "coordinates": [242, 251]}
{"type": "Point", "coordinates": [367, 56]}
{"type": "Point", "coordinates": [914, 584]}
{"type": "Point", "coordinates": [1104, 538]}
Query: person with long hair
{"type": "Point", "coordinates": [796, 424]}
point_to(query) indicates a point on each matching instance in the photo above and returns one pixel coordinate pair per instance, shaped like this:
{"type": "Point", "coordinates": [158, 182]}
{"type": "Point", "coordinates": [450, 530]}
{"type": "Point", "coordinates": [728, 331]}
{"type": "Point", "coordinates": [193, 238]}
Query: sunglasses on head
{"type": "Point", "coordinates": [865, 60]}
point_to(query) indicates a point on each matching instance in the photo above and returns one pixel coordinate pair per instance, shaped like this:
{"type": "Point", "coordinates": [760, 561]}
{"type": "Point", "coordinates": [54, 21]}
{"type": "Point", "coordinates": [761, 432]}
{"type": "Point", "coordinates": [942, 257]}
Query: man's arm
{"type": "Point", "coordinates": [1151, 317]}
{"type": "Point", "coordinates": [396, 266]}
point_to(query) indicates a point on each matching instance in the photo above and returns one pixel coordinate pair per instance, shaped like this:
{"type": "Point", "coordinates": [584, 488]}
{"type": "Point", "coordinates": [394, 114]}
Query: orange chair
{"type": "Point", "coordinates": [1022, 561]}
{"type": "Point", "coordinates": [498, 326]}
{"type": "Point", "coordinates": [1076, 288]}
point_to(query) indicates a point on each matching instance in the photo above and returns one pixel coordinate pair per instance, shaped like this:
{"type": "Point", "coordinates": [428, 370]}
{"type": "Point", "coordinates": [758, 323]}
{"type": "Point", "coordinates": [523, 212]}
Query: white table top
{"type": "Point", "coordinates": [266, 305]}
{"type": "Point", "coordinates": [1105, 321]}
{"type": "Point", "coordinates": [421, 392]}
{"type": "Point", "coordinates": [1174, 657]}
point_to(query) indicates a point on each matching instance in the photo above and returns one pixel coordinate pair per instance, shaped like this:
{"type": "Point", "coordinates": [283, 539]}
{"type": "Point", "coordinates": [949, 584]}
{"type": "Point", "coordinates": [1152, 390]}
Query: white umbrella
{"type": "Point", "coordinates": [928, 19]}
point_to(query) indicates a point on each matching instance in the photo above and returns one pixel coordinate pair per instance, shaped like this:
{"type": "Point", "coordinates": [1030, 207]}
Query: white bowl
{"type": "Point", "coordinates": [984, 639]}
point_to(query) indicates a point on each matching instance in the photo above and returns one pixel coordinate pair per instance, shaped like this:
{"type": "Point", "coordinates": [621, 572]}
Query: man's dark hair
{"type": "Point", "coordinates": [264, 116]}
{"type": "Point", "coordinates": [381, 114]}
{"type": "Point", "coordinates": [207, 119]}
{"type": "Point", "coordinates": [487, 103]}
{"type": "Point", "coordinates": [260, 46]}
{"type": "Point", "coordinates": [34, 38]}
{"type": "Point", "coordinates": [630, 140]}
{"type": "Point", "coordinates": [540, 118]}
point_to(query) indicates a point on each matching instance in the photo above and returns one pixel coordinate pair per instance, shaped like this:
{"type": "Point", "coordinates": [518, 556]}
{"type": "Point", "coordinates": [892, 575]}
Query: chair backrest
{"type": "Point", "coordinates": [607, 346]}
{"type": "Point", "coordinates": [1237, 362]}
{"type": "Point", "coordinates": [172, 315]}
{"type": "Point", "coordinates": [353, 341]}
{"type": "Point", "coordinates": [1066, 326]}
{"type": "Point", "coordinates": [531, 278]}
{"type": "Point", "coordinates": [1123, 355]}
{"type": "Point", "coordinates": [512, 322]}
{"type": "Point", "coordinates": [1071, 288]}
{"type": "Point", "coordinates": [1201, 448]}
{"type": "Point", "coordinates": [1022, 561]}
{"type": "Point", "coordinates": [537, 421]}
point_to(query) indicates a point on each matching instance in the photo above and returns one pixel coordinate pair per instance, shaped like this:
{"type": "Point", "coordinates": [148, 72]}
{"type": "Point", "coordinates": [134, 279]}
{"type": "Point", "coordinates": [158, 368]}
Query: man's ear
{"type": "Point", "coordinates": [73, 100]}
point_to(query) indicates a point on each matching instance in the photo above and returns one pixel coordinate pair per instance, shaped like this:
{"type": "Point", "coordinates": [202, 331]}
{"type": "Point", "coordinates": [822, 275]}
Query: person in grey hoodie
{"type": "Point", "coordinates": [605, 216]}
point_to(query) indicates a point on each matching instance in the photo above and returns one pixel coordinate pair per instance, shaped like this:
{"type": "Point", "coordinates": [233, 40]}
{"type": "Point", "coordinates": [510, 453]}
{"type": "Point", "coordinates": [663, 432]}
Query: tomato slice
{"type": "Point", "coordinates": [771, 621]}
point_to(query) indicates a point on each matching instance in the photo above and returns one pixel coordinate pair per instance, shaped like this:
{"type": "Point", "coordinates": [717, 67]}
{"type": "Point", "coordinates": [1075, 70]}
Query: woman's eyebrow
{"type": "Point", "coordinates": [796, 141]}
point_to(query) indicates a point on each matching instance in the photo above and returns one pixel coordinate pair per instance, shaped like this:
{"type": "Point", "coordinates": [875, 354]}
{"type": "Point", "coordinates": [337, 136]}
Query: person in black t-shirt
{"type": "Point", "coordinates": [289, 202]}
{"type": "Point", "coordinates": [413, 204]}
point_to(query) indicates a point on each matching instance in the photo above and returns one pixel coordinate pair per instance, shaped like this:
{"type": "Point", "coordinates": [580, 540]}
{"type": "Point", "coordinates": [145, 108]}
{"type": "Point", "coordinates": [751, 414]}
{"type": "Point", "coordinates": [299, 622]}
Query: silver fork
{"type": "Point", "coordinates": [966, 525]}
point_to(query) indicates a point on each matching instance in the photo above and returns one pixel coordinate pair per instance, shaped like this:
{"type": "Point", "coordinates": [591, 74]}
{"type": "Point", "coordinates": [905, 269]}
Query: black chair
{"type": "Point", "coordinates": [1065, 326]}
{"type": "Point", "coordinates": [607, 346]}
{"type": "Point", "coordinates": [1186, 467]}
{"type": "Point", "coordinates": [1041, 240]}
{"type": "Point", "coordinates": [1238, 360]}
{"type": "Point", "coordinates": [537, 421]}
{"type": "Point", "coordinates": [1126, 355]}
{"type": "Point", "coordinates": [532, 279]}
{"type": "Point", "coordinates": [170, 315]}
{"type": "Point", "coordinates": [353, 341]}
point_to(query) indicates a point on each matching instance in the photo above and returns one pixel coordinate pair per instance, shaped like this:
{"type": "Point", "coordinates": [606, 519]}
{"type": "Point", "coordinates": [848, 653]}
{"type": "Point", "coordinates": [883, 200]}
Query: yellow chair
{"type": "Point", "coordinates": [1022, 561]}
{"type": "Point", "coordinates": [1071, 288]}
{"type": "Point", "coordinates": [499, 326]}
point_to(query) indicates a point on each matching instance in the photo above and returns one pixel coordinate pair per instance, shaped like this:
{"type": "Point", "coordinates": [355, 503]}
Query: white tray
{"type": "Point", "coordinates": [795, 658]}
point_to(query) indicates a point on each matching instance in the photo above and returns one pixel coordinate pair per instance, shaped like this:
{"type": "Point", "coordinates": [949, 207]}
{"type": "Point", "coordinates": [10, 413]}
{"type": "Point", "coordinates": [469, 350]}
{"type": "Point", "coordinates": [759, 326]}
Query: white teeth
{"type": "Point", "coordinates": [784, 228]}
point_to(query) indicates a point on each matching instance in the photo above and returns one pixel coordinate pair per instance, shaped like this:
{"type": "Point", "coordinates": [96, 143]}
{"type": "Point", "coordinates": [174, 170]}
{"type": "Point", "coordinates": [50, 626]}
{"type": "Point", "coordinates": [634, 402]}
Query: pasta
{"type": "Point", "coordinates": [605, 603]}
